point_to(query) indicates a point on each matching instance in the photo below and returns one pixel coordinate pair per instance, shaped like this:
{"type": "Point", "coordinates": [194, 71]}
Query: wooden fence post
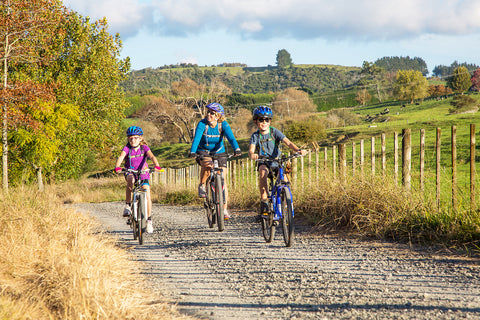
{"type": "Point", "coordinates": [325, 156]}
{"type": "Point", "coordinates": [342, 156]}
{"type": "Point", "coordinates": [384, 155]}
{"type": "Point", "coordinates": [372, 158]}
{"type": "Point", "coordinates": [472, 167]}
{"type": "Point", "coordinates": [362, 156]}
{"type": "Point", "coordinates": [438, 143]}
{"type": "Point", "coordinates": [395, 157]}
{"type": "Point", "coordinates": [454, 168]}
{"type": "Point", "coordinates": [406, 158]}
{"type": "Point", "coordinates": [354, 157]}
{"type": "Point", "coordinates": [334, 160]}
{"type": "Point", "coordinates": [422, 159]}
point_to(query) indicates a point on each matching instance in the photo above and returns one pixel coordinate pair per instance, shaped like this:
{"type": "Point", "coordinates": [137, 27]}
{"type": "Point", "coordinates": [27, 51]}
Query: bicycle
{"type": "Point", "coordinates": [138, 217]}
{"type": "Point", "coordinates": [280, 202]}
{"type": "Point", "coordinates": [215, 198]}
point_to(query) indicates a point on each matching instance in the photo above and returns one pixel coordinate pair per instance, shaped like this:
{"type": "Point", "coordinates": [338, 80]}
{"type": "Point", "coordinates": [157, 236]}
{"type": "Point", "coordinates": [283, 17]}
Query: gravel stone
{"type": "Point", "coordinates": [234, 274]}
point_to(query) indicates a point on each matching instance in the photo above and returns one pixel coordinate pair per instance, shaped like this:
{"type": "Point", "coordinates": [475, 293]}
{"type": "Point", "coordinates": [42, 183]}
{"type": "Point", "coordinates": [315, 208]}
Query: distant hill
{"type": "Point", "coordinates": [245, 80]}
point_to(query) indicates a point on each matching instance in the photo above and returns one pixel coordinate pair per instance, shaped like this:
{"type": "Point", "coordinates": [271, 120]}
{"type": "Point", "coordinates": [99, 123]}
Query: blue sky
{"type": "Point", "coordinates": [341, 32]}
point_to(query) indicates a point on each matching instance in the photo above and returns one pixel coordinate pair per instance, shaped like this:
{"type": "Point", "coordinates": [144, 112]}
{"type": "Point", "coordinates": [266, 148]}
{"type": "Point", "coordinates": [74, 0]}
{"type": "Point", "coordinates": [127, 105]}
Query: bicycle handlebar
{"type": "Point", "coordinates": [214, 156]}
{"type": "Point", "coordinates": [281, 159]}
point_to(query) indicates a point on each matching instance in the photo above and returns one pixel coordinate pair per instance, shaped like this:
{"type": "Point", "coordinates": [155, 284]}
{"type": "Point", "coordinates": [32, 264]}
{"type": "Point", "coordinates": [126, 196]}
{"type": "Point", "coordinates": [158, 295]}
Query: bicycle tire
{"type": "Point", "coordinates": [142, 217]}
{"type": "Point", "coordinates": [208, 206]}
{"type": "Point", "coordinates": [287, 217]}
{"type": "Point", "coordinates": [134, 222]}
{"type": "Point", "coordinates": [268, 228]}
{"type": "Point", "coordinates": [219, 202]}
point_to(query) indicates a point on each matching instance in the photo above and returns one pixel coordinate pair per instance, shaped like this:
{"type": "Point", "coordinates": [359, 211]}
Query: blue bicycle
{"type": "Point", "coordinates": [280, 201]}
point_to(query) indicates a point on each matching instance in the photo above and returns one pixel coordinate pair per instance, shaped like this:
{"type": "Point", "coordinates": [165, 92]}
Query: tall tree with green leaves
{"type": "Point", "coordinates": [459, 81]}
{"type": "Point", "coordinates": [88, 69]}
{"type": "Point", "coordinates": [26, 30]}
{"type": "Point", "coordinates": [284, 60]}
{"type": "Point", "coordinates": [411, 85]}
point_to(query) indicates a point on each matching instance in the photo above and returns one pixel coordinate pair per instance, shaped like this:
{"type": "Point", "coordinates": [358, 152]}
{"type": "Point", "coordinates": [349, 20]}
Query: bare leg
{"type": "Point", "coordinates": [129, 190]}
{"type": "Point", "coordinates": [263, 182]}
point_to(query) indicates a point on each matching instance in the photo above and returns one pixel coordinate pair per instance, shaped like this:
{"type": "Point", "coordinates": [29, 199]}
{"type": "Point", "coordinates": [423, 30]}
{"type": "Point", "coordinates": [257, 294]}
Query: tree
{"type": "Point", "coordinates": [283, 59]}
{"type": "Point", "coordinates": [411, 85]}
{"type": "Point", "coordinates": [459, 81]}
{"type": "Point", "coordinates": [291, 102]}
{"type": "Point", "coordinates": [475, 80]}
{"type": "Point", "coordinates": [88, 70]}
{"type": "Point", "coordinates": [363, 97]}
{"type": "Point", "coordinates": [26, 29]}
{"type": "Point", "coordinates": [184, 105]}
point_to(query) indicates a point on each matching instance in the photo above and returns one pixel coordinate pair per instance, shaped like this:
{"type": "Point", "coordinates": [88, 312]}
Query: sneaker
{"type": "Point", "coordinates": [202, 192]}
{"type": "Point", "coordinates": [226, 215]}
{"type": "Point", "coordinates": [129, 221]}
{"type": "Point", "coordinates": [264, 208]}
{"type": "Point", "coordinates": [127, 211]}
{"type": "Point", "coordinates": [149, 226]}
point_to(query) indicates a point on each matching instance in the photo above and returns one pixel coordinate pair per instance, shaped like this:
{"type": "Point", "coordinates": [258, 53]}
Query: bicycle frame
{"type": "Point", "coordinates": [281, 199]}
{"type": "Point", "coordinates": [139, 197]}
{"type": "Point", "coordinates": [276, 186]}
{"type": "Point", "coordinates": [215, 199]}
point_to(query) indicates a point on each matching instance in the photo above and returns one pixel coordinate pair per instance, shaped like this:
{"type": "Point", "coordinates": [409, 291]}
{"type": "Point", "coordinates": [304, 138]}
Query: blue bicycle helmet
{"type": "Point", "coordinates": [134, 131]}
{"type": "Point", "coordinates": [262, 112]}
{"type": "Point", "coordinates": [217, 107]}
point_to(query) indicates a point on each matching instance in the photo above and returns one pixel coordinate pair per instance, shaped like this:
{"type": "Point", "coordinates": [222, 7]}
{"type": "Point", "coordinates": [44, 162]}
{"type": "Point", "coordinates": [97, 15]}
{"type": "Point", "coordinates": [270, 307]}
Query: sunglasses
{"type": "Point", "coordinates": [211, 112]}
{"type": "Point", "coordinates": [263, 120]}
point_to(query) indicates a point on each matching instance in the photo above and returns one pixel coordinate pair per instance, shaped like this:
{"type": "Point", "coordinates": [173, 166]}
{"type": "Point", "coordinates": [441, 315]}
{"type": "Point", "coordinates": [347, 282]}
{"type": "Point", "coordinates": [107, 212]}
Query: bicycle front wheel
{"type": "Point", "coordinates": [142, 217]}
{"type": "Point", "coordinates": [219, 202]}
{"type": "Point", "coordinates": [208, 206]}
{"type": "Point", "coordinates": [268, 227]}
{"type": "Point", "coordinates": [287, 217]}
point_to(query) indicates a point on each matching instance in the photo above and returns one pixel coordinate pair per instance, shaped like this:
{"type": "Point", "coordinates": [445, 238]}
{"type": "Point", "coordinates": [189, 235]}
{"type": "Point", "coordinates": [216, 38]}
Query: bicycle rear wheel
{"type": "Point", "coordinates": [268, 227]}
{"type": "Point", "coordinates": [208, 206]}
{"type": "Point", "coordinates": [142, 217]}
{"type": "Point", "coordinates": [287, 217]}
{"type": "Point", "coordinates": [219, 202]}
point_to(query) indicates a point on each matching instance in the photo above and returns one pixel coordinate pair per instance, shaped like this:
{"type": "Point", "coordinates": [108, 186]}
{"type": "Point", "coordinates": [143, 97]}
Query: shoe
{"type": "Point", "coordinates": [127, 211]}
{"type": "Point", "coordinates": [264, 208]}
{"type": "Point", "coordinates": [129, 222]}
{"type": "Point", "coordinates": [202, 192]}
{"type": "Point", "coordinates": [149, 226]}
{"type": "Point", "coordinates": [226, 216]}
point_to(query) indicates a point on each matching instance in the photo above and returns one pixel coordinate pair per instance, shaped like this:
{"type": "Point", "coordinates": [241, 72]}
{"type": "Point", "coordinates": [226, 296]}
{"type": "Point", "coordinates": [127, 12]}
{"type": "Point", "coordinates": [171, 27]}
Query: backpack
{"type": "Point", "coordinates": [262, 140]}
{"type": "Point", "coordinates": [144, 154]}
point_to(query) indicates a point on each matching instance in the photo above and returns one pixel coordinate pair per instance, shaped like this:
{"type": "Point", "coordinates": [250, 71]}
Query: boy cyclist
{"type": "Point", "coordinates": [135, 154]}
{"type": "Point", "coordinates": [266, 142]}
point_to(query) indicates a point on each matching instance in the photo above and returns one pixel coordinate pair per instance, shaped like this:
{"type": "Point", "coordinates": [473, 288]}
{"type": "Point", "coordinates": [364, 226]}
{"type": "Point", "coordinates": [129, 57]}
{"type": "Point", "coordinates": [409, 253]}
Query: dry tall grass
{"type": "Point", "coordinates": [57, 264]}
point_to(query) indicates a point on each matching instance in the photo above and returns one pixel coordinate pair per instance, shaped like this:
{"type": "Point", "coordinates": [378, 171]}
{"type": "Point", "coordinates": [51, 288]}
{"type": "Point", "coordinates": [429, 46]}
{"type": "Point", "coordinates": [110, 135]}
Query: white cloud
{"type": "Point", "coordinates": [306, 19]}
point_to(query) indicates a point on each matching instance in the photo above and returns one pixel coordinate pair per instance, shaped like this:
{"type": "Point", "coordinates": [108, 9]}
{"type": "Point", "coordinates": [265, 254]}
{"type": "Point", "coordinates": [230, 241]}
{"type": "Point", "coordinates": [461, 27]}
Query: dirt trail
{"type": "Point", "coordinates": [318, 278]}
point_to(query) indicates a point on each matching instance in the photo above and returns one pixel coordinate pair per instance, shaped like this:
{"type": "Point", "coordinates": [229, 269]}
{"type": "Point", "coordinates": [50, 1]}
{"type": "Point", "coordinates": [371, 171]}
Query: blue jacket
{"type": "Point", "coordinates": [211, 139]}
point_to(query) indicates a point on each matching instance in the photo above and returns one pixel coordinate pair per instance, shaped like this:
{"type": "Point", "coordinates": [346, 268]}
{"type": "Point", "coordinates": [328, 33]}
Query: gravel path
{"type": "Point", "coordinates": [234, 274]}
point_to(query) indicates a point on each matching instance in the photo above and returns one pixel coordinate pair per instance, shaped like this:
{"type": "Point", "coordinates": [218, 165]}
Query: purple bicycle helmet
{"type": "Point", "coordinates": [262, 112]}
{"type": "Point", "coordinates": [217, 107]}
{"type": "Point", "coordinates": [134, 131]}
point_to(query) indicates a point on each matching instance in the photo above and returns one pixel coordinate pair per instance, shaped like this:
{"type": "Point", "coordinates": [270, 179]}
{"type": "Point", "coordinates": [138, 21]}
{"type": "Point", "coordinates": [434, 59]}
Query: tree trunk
{"type": "Point", "coordinates": [5, 124]}
{"type": "Point", "coordinates": [40, 179]}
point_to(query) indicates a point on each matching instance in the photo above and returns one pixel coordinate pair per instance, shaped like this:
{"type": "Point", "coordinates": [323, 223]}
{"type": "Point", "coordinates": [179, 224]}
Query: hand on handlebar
{"type": "Point", "coordinates": [117, 169]}
{"type": "Point", "coordinates": [192, 155]}
{"type": "Point", "coordinates": [238, 153]}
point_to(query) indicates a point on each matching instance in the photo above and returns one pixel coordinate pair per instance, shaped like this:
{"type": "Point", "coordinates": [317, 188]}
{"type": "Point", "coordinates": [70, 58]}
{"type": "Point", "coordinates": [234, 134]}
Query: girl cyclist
{"type": "Point", "coordinates": [208, 140]}
{"type": "Point", "coordinates": [266, 142]}
{"type": "Point", "coordinates": [135, 154]}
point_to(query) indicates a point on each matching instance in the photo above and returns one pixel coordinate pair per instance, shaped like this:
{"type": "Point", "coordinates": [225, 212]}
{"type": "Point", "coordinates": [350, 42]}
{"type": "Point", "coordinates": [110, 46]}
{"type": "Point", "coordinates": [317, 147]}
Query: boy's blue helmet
{"type": "Point", "coordinates": [134, 131]}
{"type": "Point", "coordinates": [262, 112]}
{"type": "Point", "coordinates": [217, 107]}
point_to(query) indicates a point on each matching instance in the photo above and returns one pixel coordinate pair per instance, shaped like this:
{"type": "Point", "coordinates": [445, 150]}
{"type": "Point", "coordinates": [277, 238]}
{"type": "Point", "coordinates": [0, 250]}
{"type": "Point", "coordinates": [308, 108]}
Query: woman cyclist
{"type": "Point", "coordinates": [208, 141]}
